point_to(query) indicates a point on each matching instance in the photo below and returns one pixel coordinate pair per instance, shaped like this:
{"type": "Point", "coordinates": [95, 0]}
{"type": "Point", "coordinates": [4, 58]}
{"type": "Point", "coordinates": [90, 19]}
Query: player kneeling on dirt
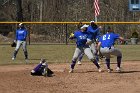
{"type": "Point", "coordinates": [42, 69]}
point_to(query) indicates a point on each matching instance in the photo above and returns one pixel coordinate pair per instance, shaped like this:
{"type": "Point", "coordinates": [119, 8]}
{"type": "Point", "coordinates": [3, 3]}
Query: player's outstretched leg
{"type": "Point", "coordinates": [14, 55]}
{"type": "Point", "coordinates": [96, 64]}
{"type": "Point", "coordinates": [108, 65]}
{"type": "Point", "coordinates": [72, 66]}
{"type": "Point", "coordinates": [80, 58]}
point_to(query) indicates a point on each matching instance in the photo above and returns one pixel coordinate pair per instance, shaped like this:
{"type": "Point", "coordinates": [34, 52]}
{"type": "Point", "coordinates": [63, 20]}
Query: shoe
{"type": "Point", "coordinates": [118, 69]}
{"type": "Point", "coordinates": [71, 71]}
{"type": "Point", "coordinates": [13, 58]}
{"type": "Point", "coordinates": [79, 63]}
{"type": "Point", "coordinates": [99, 70]}
{"type": "Point", "coordinates": [109, 70]}
{"type": "Point", "coordinates": [26, 60]}
{"type": "Point", "coordinates": [99, 63]}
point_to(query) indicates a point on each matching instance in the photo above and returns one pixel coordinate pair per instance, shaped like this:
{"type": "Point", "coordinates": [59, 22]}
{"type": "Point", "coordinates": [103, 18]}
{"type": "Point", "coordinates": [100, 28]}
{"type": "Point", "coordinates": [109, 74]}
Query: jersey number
{"type": "Point", "coordinates": [105, 37]}
{"type": "Point", "coordinates": [83, 37]}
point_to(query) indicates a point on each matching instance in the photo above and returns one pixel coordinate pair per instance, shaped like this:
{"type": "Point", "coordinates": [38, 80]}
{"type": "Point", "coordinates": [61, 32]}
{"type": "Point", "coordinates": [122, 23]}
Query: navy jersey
{"type": "Point", "coordinates": [108, 39]}
{"type": "Point", "coordinates": [21, 34]}
{"type": "Point", "coordinates": [93, 33]}
{"type": "Point", "coordinates": [81, 38]}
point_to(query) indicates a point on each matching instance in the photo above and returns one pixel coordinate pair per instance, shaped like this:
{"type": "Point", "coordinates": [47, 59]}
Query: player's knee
{"type": "Point", "coordinates": [16, 49]}
{"type": "Point", "coordinates": [74, 58]}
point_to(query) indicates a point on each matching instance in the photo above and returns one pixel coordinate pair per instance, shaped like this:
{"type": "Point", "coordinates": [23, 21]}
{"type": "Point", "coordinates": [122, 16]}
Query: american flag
{"type": "Point", "coordinates": [97, 9]}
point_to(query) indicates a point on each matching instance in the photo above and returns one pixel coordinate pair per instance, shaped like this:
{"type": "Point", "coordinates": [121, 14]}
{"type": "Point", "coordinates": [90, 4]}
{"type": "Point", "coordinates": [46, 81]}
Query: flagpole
{"type": "Point", "coordinates": [97, 9]}
{"type": "Point", "coordinates": [96, 19]}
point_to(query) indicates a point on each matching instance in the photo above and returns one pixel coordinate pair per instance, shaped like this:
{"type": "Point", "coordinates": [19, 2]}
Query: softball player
{"type": "Point", "coordinates": [82, 47]}
{"type": "Point", "coordinates": [42, 69]}
{"type": "Point", "coordinates": [94, 33]}
{"type": "Point", "coordinates": [21, 35]}
{"type": "Point", "coordinates": [106, 44]}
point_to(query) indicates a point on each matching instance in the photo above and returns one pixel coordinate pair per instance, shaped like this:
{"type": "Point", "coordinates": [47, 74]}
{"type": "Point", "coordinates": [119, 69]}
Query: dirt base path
{"type": "Point", "coordinates": [85, 79]}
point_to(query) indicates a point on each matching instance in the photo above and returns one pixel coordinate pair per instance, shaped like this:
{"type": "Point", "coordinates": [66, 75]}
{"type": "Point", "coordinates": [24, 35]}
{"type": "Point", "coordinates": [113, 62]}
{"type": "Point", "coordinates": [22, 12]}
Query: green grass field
{"type": "Point", "coordinates": [58, 53]}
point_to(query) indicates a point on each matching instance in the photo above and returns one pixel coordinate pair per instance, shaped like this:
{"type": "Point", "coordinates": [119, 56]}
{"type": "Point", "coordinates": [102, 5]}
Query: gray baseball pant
{"type": "Point", "coordinates": [24, 47]}
{"type": "Point", "coordinates": [89, 54]}
{"type": "Point", "coordinates": [111, 51]}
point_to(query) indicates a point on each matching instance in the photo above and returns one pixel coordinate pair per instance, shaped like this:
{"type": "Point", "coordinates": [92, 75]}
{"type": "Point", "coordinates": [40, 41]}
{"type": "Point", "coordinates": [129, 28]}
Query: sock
{"type": "Point", "coordinates": [97, 58]}
{"type": "Point", "coordinates": [15, 53]}
{"type": "Point", "coordinates": [80, 57]}
{"type": "Point", "coordinates": [26, 54]}
{"type": "Point", "coordinates": [107, 63]}
{"type": "Point", "coordinates": [73, 64]}
{"type": "Point", "coordinates": [95, 62]}
{"type": "Point", "coordinates": [119, 61]}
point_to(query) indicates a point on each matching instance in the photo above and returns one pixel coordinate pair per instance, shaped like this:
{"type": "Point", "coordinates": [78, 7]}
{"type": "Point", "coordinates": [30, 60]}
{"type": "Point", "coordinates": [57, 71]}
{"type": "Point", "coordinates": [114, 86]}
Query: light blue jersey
{"type": "Point", "coordinates": [81, 38]}
{"type": "Point", "coordinates": [93, 33]}
{"type": "Point", "coordinates": [108, 39]}
{"type": "Point", "coordinates": [21, 34]}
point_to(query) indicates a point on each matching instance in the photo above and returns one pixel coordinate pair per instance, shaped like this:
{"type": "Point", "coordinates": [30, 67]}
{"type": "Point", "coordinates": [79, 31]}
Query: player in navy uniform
{"type": "Point", "coordinates": [42, 69]}
{"type": "Point", "coordinates": [21, 35]}
{"type": "Point", "coordinates": [106, 44]}
{"type": "Point", "coordinates": [94, 33]}
{"type": "Point", "coordinates": [82, 44]}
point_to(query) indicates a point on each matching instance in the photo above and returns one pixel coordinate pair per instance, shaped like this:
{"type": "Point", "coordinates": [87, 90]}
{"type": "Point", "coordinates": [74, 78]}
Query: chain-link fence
{"type": "Point", "coordinates": [58, 32]}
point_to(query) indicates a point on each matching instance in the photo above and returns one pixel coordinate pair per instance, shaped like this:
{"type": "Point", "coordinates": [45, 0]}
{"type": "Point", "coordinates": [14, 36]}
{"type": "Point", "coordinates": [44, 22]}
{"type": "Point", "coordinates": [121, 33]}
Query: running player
{"type": "Point", "coordinates": [94, 32]}
{"type": "Point", "coordinates": [82, 46]}
{"type": "Point", "coordinates": [106, 45]}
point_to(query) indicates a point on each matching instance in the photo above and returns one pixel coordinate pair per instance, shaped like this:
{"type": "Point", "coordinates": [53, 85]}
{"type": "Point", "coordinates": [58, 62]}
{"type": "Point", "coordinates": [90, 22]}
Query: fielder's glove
{"type": "Point", "coordinates": [71, 35]}
{"type": "Point", "coordinates": [14, 43]}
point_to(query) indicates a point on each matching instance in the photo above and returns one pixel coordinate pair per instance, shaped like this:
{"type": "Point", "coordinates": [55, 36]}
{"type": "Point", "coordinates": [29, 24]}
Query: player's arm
{"type": "Point", "coordinates": [25, 34]}
{"type": "Point", "coordinates": [98, 46]}
{"type": "Point", "coordinates": [121, 38]}
{"type": "Point", "coordinates": [98, 32]}
{"type": "Point", "coordinates": [93, 31]}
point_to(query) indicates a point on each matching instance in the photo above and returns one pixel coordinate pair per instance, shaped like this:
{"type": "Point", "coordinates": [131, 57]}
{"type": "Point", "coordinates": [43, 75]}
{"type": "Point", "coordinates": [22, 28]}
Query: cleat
{"type": "Point", "coordinates": [99, 70]}
{"type": "Point", "coordinates": [109, 70]}
{"type": "Point", "coordinates": [13, 58]}
{"type": "Point", "coordinates": [79, 63]}
{"type": "Point", "coordinates": [26, 60]}
{"type": "Point", "coordinates": [71, 71]}
{"type": "Point", "coordinates": [99, 63]}
{"type": "Point", "coordinates": [118, 69]}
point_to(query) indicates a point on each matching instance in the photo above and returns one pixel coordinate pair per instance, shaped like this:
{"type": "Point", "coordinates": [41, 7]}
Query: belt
{"type": "Point", "coordinates": [107, 47]}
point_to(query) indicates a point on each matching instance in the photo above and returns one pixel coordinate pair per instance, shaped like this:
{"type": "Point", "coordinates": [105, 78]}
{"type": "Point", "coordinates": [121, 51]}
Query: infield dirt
{"type": "Point", "coordinates": [85, 79]}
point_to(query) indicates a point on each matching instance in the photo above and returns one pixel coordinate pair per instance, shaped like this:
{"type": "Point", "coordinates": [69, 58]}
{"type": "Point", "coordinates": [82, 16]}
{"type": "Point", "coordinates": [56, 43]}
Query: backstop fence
{"type": "Point", "coordinates": [58, 32]}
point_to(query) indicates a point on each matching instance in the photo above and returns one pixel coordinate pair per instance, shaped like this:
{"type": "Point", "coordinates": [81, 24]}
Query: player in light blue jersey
{"type": "Point", "coordinates": [21, 35]}
{"type": "Point", "coordinates": [82, 46]}
{"type": "Point", "coordinates": [94, 33]}
{"type": "Point", "coordinates": [106, 44]}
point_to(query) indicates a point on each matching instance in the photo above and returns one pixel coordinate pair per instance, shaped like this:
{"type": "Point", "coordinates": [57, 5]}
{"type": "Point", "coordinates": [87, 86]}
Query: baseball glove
{"type": "Point", "coordinates": [13, 44]}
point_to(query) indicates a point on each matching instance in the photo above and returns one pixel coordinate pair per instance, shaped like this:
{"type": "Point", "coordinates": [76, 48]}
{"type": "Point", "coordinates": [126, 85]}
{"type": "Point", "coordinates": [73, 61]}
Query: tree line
{"type": "Point", "coordinates": [68, 10]}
